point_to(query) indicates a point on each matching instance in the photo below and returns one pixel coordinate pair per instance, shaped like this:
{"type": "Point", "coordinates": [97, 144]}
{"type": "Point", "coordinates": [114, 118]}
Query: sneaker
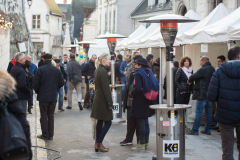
{"type": "Point", "coordinates": [139, 147]}
{"type": "Point", "coordinates": [191, 132]}
{"type": "Point", "coordinates": [42, 137]}
{"type": "Point", "coordinates": [60, 109]}
{"type": "Point", "coordinates": [68, 107]}
{"type": "Point", "coordinates": [80, 106]}
{"type": "Point", "coordinates": [207, 133]}
{"type": "Point", "coordinates": [126, 143]}
{"type": "Point", "coordinates": [215, 128]}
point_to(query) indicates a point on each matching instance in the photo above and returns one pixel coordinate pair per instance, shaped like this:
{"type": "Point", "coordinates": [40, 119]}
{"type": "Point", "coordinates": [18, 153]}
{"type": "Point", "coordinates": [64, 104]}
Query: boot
{"type": "Point", "coordinates": [101, 148]}
{"type": "Point", "coordinates": [139, 147]}
{"type": "Point", "coordinates": [65, 97]}
{"type": "Point", "coordinates": [96, 146]}
{"type": "Point", "coordinates": [146, 147]}
{"type": "Point", "coordinates": [104, 147]}
{"type": "Point", "coordinates": [80, 106]}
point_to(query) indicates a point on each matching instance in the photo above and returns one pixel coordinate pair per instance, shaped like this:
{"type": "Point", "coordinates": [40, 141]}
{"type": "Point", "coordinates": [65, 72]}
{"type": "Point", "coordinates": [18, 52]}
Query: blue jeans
{"type": "Point", "coordinates": [101, 130]}
{"type": "Point", "coordinates": [60, 98]}
{"type": "Point", "coordinates": [144, 130]}
{"type": "Point", "coordinates": [66, 86]}
{"type": "Point", "coordinates": [207, 105]}
{"type": "Point", "coordinates": [123, 90]}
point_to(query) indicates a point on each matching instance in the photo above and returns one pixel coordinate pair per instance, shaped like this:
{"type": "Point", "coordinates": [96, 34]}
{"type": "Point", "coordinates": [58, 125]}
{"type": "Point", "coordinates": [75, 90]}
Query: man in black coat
{"type": "Point", "coordinates": [118, 75]}
{"type": "Point", "coordinates": [225, 89]}
{"type": "Point", "coordinates": [47, 81]}
{"type": "Point", "coordinates": [202, 79]}
{"type": "Point", "coordinates": [88, 72]}
{"type": "Point", "coordinates": [19, 74]}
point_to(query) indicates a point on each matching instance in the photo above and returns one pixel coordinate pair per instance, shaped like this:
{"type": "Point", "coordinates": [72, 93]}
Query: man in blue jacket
{"type": "Point", "coordinates": [224, 88]}
{"type": "Point", "coordinates": [123, 72]}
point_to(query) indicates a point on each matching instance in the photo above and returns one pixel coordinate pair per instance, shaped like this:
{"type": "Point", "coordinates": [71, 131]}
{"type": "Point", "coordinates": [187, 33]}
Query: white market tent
{"type": "Point", "coordinates": [98, 48]}
{"type": "Point", "coordinates": [234, 31]}
{"type": "Point", "coordinates": [123, 44]}
{"type": "Point", "coordinates": [156, 39]}
{"type": "Point", "coordinates": [204, 31]}
{"type": "Point", "coordinates": [132, 44]}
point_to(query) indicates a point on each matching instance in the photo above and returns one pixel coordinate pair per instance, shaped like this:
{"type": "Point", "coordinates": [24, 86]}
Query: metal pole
{"type": "Point", "coordinates": [160, 78]}
{"type": "Point", "coordinates": [183, 50]}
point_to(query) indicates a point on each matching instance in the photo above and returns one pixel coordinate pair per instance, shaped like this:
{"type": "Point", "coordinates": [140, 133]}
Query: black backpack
{"type": "Point", "coordinates": [13, 141]}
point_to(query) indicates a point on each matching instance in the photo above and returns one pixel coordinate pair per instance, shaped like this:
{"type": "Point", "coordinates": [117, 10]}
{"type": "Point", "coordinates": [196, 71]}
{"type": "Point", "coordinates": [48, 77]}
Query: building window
{"type": "Point", "coordinates": [110, 20]}
{"type": "Point", "coordinates": [114, 20]}
{"type": "Point", "coordinates": [36, 21]}
{"type": "Point", "coordinates": [106, 21]}
{"type": "Point", "coordinates": [238, 3]}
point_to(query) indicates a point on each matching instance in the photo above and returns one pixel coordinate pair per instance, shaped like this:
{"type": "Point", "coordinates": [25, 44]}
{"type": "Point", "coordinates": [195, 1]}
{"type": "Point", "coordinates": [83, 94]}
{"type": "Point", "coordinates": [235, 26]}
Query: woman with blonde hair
{"type": "Point", "coordinates": [184, 88]}
{"type": "Point", "coordinates": [102, 102]}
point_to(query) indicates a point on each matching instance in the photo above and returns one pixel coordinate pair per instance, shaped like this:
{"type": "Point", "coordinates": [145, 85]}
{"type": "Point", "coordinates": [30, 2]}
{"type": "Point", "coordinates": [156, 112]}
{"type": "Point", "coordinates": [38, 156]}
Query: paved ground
{"type": "Point", "coordinates": [73, 138]}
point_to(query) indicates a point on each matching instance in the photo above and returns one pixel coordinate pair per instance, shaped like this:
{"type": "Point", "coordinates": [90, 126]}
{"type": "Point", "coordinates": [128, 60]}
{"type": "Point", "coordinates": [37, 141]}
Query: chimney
{"type": "Point", "coordinates": [65, 1]}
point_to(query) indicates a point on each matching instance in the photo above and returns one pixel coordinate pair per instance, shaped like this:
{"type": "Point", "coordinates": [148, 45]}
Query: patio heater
{"type": "Point", "coordinates": [170, 118]}
{"type": "Point", "coordinates": [86, 45]}
{"type": "Point", "coordinates": [116, 89]}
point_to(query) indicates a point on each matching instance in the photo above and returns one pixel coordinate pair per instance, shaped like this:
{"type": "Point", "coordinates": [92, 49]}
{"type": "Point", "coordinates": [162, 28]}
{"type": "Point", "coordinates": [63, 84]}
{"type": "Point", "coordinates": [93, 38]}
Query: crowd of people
{"type": "Point", "coordinates": [55, 79]}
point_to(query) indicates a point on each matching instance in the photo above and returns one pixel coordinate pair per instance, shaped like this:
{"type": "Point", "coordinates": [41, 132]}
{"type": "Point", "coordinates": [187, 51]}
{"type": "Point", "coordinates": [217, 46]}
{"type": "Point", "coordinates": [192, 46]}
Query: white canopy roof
{"type": "Point", "coordinates": [156, 40]}
{"type": "Point", "coordinates": [98, 48]}
{"type": "Point", "coordinates": [123, 43]}
{"type": "Point", "coordinates": [147, 32]}
{"type": "Point", "coordinates": [207, 29]}
{"type": "Point", "coordinates": [234, 31]}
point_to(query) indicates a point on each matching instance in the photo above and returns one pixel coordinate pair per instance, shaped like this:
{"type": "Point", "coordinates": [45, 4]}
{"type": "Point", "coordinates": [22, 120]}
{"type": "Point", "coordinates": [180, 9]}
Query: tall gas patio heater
{"type": "Point", "coordinates": [86, 45]}
{"type": "Point", "coordinates": [116, 88]}
{"type": "Point", "coordinates": [170, 117]}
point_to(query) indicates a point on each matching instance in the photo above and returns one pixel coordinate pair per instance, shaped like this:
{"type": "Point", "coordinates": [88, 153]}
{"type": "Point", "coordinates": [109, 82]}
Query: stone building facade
{"type": "Point", "coordinates": [45, 27]}
{"type": "Point", "coordinates": [114, 16]}
{"type": "Point", "coordinates": [4, 41]}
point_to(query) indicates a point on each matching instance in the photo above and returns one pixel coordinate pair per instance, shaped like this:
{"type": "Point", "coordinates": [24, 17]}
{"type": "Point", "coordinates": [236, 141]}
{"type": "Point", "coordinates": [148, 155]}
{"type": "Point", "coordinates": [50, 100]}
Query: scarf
{"type": "Point", "coordinates": [149, 80]}
{"type": "Point", "coordinates": [187, 71]}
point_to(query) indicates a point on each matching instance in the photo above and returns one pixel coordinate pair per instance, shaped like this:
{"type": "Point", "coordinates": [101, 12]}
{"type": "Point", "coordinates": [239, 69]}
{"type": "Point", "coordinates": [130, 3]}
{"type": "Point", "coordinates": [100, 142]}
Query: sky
{"type": "Point", "coordinates": [61, 1]}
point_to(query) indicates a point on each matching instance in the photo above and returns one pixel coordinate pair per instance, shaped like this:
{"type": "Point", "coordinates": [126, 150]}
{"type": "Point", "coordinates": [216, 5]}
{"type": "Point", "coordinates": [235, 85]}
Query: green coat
{"type": "Point", "coordinates": [102, 99]}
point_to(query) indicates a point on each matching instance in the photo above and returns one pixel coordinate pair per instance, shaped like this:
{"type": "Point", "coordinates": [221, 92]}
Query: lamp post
{"type": "Point", "coordinates": [117, 108]}
{"type": "Point", "coordinates": [29, 3]}
{"type": "Point", "coordinates": [170, 118]}
{"type": "Point", "coordinates": [86, 45]}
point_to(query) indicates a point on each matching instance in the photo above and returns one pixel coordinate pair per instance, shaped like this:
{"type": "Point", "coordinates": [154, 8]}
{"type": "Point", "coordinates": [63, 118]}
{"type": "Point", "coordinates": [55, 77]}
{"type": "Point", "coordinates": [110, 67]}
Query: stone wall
{"type": "Point", "coordinates": [4, 48]}
{"type": "Point", "coordinates": [18, 33]}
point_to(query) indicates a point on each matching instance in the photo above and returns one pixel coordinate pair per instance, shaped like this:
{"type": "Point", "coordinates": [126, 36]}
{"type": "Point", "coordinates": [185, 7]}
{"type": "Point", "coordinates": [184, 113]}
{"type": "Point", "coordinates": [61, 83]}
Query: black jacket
{"type": "Point", "coordinates": [225, 89]}
{"type": "Point", "coordinates": [117, 70]}
{"type": "Point", "coordinates": [23, 87]}
{"type": "Point", "coordinates": [202, 79]}
{"type": "Point", "coordinates": [74, 72]}
{"type": "Point", "coordinates": [165, 85]}
{"type": "Point", "coordinates": [140, 105]}
{"type": "Point", "coordinates": [47, 81]}
{"type": "Point", "coordinates": [181, 82]}
{"type": "Point", "coordinates": [89, 70]}
{"type": "Point", "coordinates": [40, 63]}
{"type": "Point", "coordinates": [63, 72]}
{"type": "Point", "coordinates": [14, 108]}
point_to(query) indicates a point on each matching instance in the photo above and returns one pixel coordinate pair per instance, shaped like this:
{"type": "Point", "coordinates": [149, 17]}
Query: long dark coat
{"type": "Point", "coordinates": [23, 87]}
{"type": "Point", "coordinates": [102, 99]}
{"type": "Point", "coordinates": [47, 81]}
{"type": "Point", "coordinates": [140, 105]}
